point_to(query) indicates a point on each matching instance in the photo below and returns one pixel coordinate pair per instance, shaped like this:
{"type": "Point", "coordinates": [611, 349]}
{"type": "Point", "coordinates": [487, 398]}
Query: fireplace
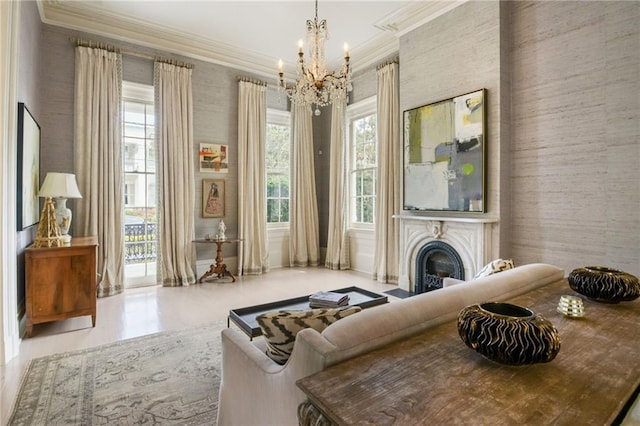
{"type": "Point", "coordinates": [436, 260]}
{"type": "Point", "coordinates": [470, 238]}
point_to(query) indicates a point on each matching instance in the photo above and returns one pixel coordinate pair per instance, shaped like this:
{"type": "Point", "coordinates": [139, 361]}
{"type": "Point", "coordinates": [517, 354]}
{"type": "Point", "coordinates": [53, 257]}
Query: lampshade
{"type": "Point", "coordinates": [60, 185]}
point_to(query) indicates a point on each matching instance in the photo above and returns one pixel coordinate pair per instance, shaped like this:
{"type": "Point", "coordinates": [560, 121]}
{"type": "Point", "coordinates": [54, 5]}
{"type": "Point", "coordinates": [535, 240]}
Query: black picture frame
{"type": "Point", "coordinates": [444, 155]}
{"type": "Point", "coordinates": [28, 204]}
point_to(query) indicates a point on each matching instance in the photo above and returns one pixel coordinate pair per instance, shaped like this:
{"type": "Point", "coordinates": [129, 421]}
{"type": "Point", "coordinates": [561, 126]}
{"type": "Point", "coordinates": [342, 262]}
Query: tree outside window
{"type": "Point", "coordinates": [277, 170]}
{"type": "Point", "coordinates": [363, 169]}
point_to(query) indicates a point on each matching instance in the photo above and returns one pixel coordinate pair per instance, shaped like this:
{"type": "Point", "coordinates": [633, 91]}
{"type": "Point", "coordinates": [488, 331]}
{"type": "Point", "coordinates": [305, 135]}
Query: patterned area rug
{"type": "Point", "coordinates": [164, 378]}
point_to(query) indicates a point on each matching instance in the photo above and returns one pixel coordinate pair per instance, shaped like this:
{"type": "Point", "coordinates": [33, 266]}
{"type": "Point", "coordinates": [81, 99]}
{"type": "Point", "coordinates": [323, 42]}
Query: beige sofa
{"type": "Point", "coordinates": [256, 391]}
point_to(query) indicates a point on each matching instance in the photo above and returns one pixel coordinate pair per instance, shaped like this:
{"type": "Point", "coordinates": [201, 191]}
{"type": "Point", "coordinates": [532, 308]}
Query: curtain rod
{"type": "Point", "coordinates": [395, 60]}
{"type": "Point", "coordinates": [123, 51]}
{"type": "Point", "coordinates": [251, 80]}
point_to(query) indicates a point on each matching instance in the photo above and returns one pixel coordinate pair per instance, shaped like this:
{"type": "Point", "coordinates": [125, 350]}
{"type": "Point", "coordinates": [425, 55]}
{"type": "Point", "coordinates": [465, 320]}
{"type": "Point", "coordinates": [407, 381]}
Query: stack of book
{"type": "Point", "coordinates": [328, 299]}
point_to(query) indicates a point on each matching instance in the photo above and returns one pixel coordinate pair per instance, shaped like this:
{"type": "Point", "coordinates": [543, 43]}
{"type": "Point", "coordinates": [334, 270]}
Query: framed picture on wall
{"type": "Point", "coordinates": [213, 158]}
{"type": "Point", "coordinates": [28, 213]}
{"type": "Point", "coordinates": [213, 197]}
{"type": "Point", "coordinates": [444, 151]}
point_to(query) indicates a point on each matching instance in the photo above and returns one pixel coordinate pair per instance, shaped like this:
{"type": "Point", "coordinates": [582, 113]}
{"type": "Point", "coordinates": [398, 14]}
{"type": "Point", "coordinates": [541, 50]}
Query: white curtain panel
{"type": "Point", "coordinates": [388, 182]}
{"type": "Point", "coordinates": [303, 214]}
{"type": "Point", "coordinates": [98, 161]}
{"type": "Point", "coordinates": [176, 195]}
{"type": "Point", "coordinates": [337, 238]}
{"type": "Point", "coordinates": [252, 220]}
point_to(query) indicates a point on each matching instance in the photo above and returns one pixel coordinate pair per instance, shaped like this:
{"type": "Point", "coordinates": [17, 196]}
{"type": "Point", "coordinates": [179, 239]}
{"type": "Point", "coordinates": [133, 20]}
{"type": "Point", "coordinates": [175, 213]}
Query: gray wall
{"type": "Point", "coordinates": [576, 134]}
{"type": "Point", "coordinates": [30, 92]}
{"type": "Point", "coordinates": [563, 120]}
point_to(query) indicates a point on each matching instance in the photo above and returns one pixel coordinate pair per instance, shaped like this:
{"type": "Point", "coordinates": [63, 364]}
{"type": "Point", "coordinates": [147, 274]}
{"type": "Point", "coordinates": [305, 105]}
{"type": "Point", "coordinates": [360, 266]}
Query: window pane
{"type": "Point", "coordinates": [367, 210]}
{"type": "Point", "coordinates": [272, 186]}
{"type": "Point", "coordinates": [368, 182]}
{"type": "Point", "coordinates": [151, 157]}
{"type": "Point", "coordinates": [284, 210]}
{"type": "Point", "coordinates": [284, 187]}
{"type": "Point", "coordinates": [134, 112]}
{"type": "Point", "coordinates": [272, 210]}
{"type": "Point", "coordinates": [358, 182]}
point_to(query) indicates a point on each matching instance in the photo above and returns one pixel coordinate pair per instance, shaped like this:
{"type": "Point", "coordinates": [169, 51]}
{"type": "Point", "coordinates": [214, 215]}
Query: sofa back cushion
{"type": "Point", "coordinates": [280, 328]}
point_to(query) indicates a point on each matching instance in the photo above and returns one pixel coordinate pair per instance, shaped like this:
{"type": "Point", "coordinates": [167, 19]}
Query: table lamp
{"type": "Point", "coordinates": [59, 186]}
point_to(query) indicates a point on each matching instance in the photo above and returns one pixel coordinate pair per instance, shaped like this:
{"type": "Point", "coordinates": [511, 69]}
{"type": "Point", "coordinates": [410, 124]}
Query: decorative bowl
{"type": "Point", "coordinates": [508, 334]}
{"type": "Point", "coordinates": [603, 284]}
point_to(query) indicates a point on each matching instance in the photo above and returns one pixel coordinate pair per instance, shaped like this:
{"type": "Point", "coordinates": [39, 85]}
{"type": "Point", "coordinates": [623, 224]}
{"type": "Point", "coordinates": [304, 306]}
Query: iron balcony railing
{"type": "Point", "coordinates": [140, 243]}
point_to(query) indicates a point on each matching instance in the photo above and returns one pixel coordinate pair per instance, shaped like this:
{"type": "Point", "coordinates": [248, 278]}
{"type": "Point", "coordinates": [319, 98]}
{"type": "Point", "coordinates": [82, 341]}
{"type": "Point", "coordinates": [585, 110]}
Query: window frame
{"type": "Point", "coordinates": [140, 94]}
{"type": "Point", "coordinates": [280, 118]}
{"type": "Point", "coordinates": [356, 112]}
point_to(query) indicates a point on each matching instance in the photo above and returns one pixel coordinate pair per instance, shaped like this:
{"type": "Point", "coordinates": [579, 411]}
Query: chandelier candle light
{"type": "Point", "coordinates": [316, 86]}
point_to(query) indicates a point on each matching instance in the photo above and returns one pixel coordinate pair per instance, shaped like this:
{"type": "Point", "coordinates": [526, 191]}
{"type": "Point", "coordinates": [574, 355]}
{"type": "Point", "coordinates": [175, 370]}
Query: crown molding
{"type": "Point", "coordinates": [416, 14]}
{"type": "Point", "coordinates": [75, 16]}
{"type": "Point", "coordinates": [82, 16]}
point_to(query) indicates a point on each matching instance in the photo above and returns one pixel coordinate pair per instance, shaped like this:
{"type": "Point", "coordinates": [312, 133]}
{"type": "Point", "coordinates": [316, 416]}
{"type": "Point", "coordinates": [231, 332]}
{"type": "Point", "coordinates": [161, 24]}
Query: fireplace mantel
{"type": "Point", "coordinates": [471, 219]}
{"type": "Point", "coordinates": [471, 236]}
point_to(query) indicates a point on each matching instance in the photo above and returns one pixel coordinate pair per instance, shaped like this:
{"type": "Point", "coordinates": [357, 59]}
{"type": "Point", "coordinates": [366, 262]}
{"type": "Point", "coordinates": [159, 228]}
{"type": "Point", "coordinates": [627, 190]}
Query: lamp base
{"type": "Point", "coordinates": [48, 234]}
{"type": "Point", "coordinates": [47, 242]}
{"type": "Point", "coordinates": [66, 239]}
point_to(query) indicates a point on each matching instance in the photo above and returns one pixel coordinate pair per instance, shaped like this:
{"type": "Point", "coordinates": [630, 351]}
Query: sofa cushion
{"type": "Point", "coordinates": [494, 267]}
{"type": "Point", "coordinates": [279, 328]}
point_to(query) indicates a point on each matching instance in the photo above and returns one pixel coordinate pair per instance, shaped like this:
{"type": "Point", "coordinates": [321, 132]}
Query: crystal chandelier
{"type": "Point", "coordinates": [314, 85]}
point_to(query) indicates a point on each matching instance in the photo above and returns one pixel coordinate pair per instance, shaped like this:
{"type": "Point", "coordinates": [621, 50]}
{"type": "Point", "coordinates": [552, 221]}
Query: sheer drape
{"type": "Point", "coordinates": [388, 183]}
{"type": "Point", "coordinates": [337, 239]}
{"type": "Point", "coordinates": [98, 161]}
{"type": "Point", "coordinates": [176, 194]}
{"type": "Point", "coordinates": [303, 215]}
{"type": "Point", "coordinates": [252, 216]}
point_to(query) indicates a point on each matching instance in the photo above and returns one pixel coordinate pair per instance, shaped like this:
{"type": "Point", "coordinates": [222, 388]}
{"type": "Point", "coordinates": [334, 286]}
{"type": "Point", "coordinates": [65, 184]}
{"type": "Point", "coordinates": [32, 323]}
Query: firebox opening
{"type": "Point", "coordinates": [436, 260]}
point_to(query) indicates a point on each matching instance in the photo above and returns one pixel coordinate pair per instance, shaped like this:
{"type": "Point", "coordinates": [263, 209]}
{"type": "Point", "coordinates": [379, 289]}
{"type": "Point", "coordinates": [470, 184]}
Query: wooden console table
{"type": "Point", "coordinates": [61, 282]}
{"type": "Point", "coordinates": [433, 378]}
{"type": "Point", "coordinates": [219, 269]}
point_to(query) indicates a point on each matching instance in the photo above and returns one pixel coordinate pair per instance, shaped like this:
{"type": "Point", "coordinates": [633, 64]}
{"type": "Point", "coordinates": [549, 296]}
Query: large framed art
{"type": "Point", "coordinates": [444, 155]}
{"type": "Point", "coordinates": [28, 213]}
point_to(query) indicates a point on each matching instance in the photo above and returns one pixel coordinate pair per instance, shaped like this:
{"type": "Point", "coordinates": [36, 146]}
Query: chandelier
{"type": "Point", "coordinates": [314, 85]}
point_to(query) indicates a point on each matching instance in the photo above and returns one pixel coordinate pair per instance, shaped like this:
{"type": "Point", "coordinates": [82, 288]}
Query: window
{"type": "Point", "coordinates": [277, 160]}
{"type": "Point", "coordinates": [139, 164]}
{"type": "Point", "coordinates": [363, 146]}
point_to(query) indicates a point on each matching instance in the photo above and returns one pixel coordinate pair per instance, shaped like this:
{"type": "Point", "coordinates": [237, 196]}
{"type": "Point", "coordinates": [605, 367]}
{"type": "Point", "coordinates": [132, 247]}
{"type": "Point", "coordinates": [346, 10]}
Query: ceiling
{"type": "Point", "coordinates": [248, 35]}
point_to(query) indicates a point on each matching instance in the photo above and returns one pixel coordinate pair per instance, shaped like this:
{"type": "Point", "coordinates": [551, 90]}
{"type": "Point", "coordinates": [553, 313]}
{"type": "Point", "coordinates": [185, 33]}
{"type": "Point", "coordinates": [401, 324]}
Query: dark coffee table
{"type": "Point", "coordinates": [245, 318]}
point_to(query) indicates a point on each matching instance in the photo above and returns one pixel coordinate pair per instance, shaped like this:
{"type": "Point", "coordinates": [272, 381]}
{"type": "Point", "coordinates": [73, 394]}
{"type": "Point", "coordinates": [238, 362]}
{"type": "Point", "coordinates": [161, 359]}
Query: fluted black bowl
{"type": "Point", "coordinates": [508, 334]}
{"type": "Point", "coordinates": [604, 284]}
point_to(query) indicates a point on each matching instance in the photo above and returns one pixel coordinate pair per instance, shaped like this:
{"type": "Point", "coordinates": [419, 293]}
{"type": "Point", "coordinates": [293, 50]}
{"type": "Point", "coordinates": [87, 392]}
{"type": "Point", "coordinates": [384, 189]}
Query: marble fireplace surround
{"type": "Point", "coordinates": [471, 237]}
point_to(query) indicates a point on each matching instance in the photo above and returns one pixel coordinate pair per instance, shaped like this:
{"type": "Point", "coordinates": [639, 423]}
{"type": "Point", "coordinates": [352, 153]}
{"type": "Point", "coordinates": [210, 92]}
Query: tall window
{"type": "Point", "coordinates": [277, 166]}
{"type": "Point", "coordinates": [139, 161]}
{"type": "Point", "coordinates": [363, 143]}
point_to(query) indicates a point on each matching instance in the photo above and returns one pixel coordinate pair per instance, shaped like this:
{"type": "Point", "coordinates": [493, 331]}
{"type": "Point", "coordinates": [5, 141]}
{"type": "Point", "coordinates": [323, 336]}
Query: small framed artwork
{"type": "Point", "coordinates": [28, 213]}
{"type": "Point", "coordinates": [213, 197]}
{"type": "Point", "coordinates": [213, 158]}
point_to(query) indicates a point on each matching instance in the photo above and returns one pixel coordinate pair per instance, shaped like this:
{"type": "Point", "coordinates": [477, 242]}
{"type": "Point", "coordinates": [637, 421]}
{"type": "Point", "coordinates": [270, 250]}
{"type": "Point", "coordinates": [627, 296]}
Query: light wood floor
{"type": "Point", "coordinates": [148, 310]}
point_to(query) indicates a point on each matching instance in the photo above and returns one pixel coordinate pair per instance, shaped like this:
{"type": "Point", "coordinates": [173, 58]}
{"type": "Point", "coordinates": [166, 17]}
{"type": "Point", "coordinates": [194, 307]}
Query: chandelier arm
{"type": "Point", "coordinates": [316, 86]}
